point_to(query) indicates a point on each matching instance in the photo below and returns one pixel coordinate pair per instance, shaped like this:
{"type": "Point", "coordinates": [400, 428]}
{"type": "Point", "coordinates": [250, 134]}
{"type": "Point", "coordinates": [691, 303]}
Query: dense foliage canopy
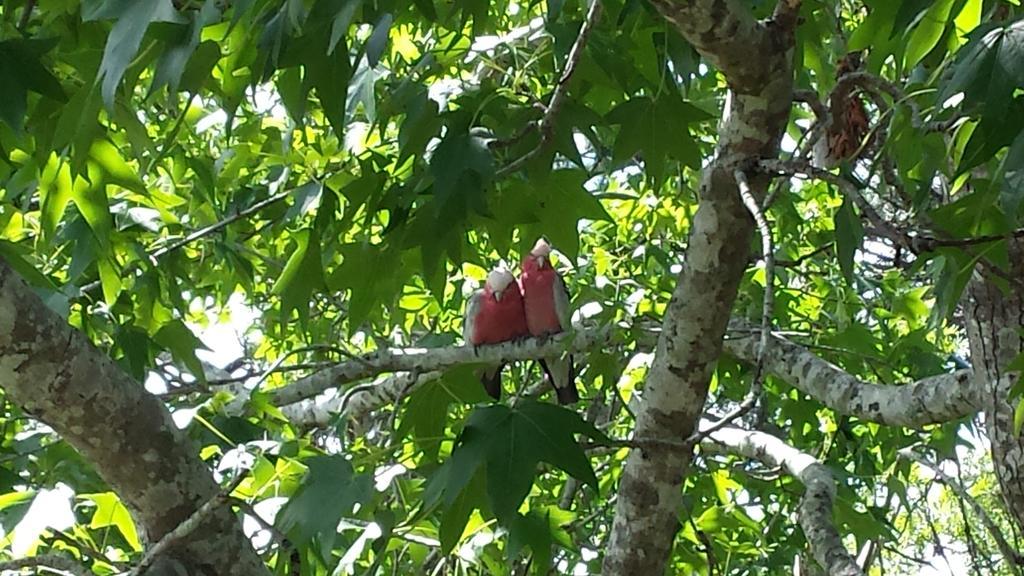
{"type": "Point", "coordinates": [332, 179]}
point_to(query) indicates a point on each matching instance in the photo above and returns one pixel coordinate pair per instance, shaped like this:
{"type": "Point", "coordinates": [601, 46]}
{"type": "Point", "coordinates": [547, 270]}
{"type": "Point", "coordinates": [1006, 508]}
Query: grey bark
{"type": "Point", "coordinates": [756, 60]}
{"type": "Point", "coordinates": [815, 512]}
{"type": "Point", "coordinates": [995, 318]}
{"type": "Point", "coordinates": [931, 400]}
{"type": "Point", "coordinates": [52, 372]}
{"type": "Point", "coordinates": [423, 360]}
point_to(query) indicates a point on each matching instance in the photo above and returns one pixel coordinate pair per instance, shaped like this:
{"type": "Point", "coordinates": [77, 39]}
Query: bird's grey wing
{"type": "Point", "coordinates": [562, 309]}
{"type": "Point", "coordinates": [469, 320]}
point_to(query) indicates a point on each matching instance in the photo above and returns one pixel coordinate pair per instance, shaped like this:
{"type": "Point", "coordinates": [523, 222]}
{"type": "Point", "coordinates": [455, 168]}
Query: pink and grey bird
{"type": "Point", "coordinates": [546, 301]}
{"type": "Point", "coordinates": [495, 314]}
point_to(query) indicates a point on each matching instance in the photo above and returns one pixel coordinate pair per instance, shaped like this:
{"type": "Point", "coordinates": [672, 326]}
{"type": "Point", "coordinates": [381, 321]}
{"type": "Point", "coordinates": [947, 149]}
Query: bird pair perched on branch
{"type": "Point", "coordinates": [535, 305]}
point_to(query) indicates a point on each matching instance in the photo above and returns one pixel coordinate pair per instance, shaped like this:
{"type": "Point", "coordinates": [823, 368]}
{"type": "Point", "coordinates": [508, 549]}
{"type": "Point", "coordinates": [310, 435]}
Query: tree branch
{"type": "Point", "coordinates": [728, 36]}
{"type": "Point", "coordinates": [423, 360]}
{"type": "Point", "coordinates": [931, 400]}
{"type": "Point", "coordinates": [768, 253]}
{"type": "Point", "coordinates": [47, 561]}
{"type": "Point", "coordinates": [52, 372]}
{"type": "Point", "coordinates": [546, 124]}
{"type": "Point", "coordinates": [914, 241]}
{"type": "Point", "coordinates": [187, 527]}
{"type": "Point", "coordinates": [756, 59]}
{"type": "Point", "coordinates": [815, 513]}
{"type": "Point", "coordinates": [1011, 556]}
{"type": "Point", "coordinates": [26, 15]}
{"type": "Point", "coordinates": [155, 255]}
{"type": "Point", "coordinates": [357, 401]}
{"type": "Point", "coordinates": [877, 84]}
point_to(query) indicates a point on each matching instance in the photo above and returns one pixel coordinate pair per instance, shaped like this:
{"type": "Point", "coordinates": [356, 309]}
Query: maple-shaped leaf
{"type": "Point", "coordinates": [510, 442]}
{"type": "Point", "coordinates": [989, 68]}
{"type": "Point", "coordinates": [330, 491]}
{"type": "Point", "coordinates": [133, 19]}
{"type": "Point", "coordinates": [20, 72]}
{"type": "Point", "coordinates": [659, 129]}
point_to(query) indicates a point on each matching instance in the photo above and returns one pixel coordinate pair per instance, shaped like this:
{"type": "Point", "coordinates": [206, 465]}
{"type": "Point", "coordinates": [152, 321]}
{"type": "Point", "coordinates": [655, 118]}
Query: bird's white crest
{"type": "Point", "coordinates": [499, 279]}
{"type": "Point", "coordinates": [541, 248]}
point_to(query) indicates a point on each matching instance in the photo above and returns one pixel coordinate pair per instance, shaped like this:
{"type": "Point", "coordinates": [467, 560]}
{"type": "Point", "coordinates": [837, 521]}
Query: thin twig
{"type": "Point", "coordinates": [768, 253]}
{"type": "Point", "coordinates": [187, 526]}
{"type": "Point", "coordinates": [782, 263]}
{"type": "Point", "coordinates": [874, 83]}
{"type": "Point", "coordinates": [87, 548]}
{"type": "Point", "coordinates": [204, 232]}
{"type": "Point", "coordinates": [171, 135]}
{"type": "Point", "coordinates": [280, 537]}
{"type": "Point", "coordinates": [47, 561]}
{"type": "Point", "coordinates": [213, 228]}
{"type": "Point", "coordinates": [547, 122]}
{"type": "Point", "coordinates": [26, 15]}
{"type": "Point", "coordinates": [1012, 557]}
{"type": "Point", "coordinates": [912, 240]}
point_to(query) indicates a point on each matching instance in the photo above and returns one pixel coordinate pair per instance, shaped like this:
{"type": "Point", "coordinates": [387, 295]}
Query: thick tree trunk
{"type": "Point", "coordinates": [995, 318]}
{"type": "Point", "coordinates": [55, 374]}
{"type": "Point", "coordinates": [756, 59]}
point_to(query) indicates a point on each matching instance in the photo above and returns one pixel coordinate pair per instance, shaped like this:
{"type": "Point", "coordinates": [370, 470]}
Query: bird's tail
{"type": "Point", "coordinates": [490, 377]}
{"type": "Point", "coordinates": [561, 373]}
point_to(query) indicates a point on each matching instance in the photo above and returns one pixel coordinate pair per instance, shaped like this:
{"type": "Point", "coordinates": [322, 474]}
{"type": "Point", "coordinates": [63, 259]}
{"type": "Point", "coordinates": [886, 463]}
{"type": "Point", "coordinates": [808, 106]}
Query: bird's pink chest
{"type": "Point", "coordinates": [500, 320]}
{"type": "Point", "coordinates": [539, 300]}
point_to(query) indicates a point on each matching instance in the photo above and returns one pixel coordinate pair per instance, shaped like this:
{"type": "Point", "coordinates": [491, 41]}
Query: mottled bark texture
{"type": "Point", "coordinates": [756, 59]}
{"type": "Point", "coordinates": [815, 512]}
{"type": "Point", "coordinates": [54, 373]}
{"type": "Point", "coordinates": [423, 360]}
{"type": "Point", "coordinates": [357, 402]}
{"type": "Point", "coordinates": [932, 400]}
{"type": "Point", "coordinates": [995, 318]}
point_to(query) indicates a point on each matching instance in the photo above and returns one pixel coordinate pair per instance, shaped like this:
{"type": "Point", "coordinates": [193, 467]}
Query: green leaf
{"type": "Point", "coordinates": [512, 441]}
{"type": "Point", "coordinates": [328, 69]}
{"type": "Point", "coordinates": [302, 275]}
{"type": "Point", "coordinates": [133, 18]}
{"type": "Point", "coordinates": [110, 280]}
{"type": "Point", "coordinates": [426, 410]}
{"type": "Point", "coordinates": [422, 123]}
{"type": "Point", "coordinates": [456, 515]}
{"type": "Point", "coordinates": [377, 41]}
{"type": "Point", "coordinates": [200, 66]}
{"type": "Point", "coordinates": [659, 129]}
{"type": "Point", "coordinates": [426, 7]}
{"type": "Point", "coordinates": [182, 343]}
{"type": "Point", "coordinates": [21, 72]}
{"type": "Point", "coordinates": [13, 507]}
{"type": "Point", "coordinates": [110, 511]}
{"type": "Point", "coordinates": [370, 273]}
{"type": "Point", "coordinates": [91, 200]}
{"type": "Point", "coordinates": [953, 269]}
{"type": "Point", "coordinates": [927, 32]}
{"type": "Point", "coordinates": [849, 235]}
{"type": "Point", "coordinates": [114, 168]}
{"type": "Point", "coordinates": [175, 58]}
{"type": "Point", "coordinates": [561, 202]}
{"type": "Point", "coordinates": [988, 68]}
{"type": "Point", "coordinates": [533, 530]}
{"type": "Point", "coordinates": [462, 167]}
{"type": "Point", "coordinates": [329, 492]}
{"type": "Point", "coordinates": [876, 28]}
{"type": "Point", "coordinates": [1011, 198]}
{"type": "Point", "coordinates": [342, 16]}
{"type": "Point", "coordinates": [13, 254]}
